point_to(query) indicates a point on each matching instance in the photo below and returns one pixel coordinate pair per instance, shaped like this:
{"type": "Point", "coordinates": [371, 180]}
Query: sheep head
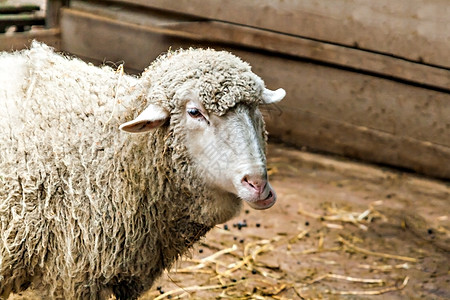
{"type": "Point", "coordinates": [214, 97]}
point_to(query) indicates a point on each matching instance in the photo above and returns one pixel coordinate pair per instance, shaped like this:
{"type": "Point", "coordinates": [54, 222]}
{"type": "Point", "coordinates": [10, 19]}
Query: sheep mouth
{"type": "Point", "coordinates": [265, 203]}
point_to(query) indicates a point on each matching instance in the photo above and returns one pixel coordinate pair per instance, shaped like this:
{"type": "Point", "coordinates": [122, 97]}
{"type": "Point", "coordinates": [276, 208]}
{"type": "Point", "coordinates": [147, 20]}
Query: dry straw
{"type": "Point", "coordinates": [259, 279]}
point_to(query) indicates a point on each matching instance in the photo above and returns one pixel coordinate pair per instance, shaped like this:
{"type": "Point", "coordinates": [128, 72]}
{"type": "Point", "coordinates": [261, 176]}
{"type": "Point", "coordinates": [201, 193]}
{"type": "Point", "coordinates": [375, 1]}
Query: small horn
{"type": "Point", "coordinates": [269, 96]}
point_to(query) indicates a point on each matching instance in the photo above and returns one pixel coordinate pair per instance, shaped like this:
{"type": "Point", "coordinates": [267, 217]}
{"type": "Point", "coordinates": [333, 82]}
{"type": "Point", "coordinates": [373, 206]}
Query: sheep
{"type": "Point", "coordinates": [106, 179]}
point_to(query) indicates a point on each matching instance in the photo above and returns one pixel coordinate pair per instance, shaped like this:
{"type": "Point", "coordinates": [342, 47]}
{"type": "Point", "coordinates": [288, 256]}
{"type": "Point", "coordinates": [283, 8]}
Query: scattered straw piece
{"type": "Point", "coordinates": [208, 259]}
{"type": "Point", "coordinates": [220, 253]}
{"type": "Point", "coordinates": [194, 270]}
{"type": "Point", "coordinates": [320, 245]}
{"type": "Point", "coordinates": [317, 250]}
{"type": "Point", "coordinates": [298, 237]}
{"type": "Point", "coordinates": [335, 214]}
{"type": "Point", "coordinates": [373, 292]}
{"type": "Point", "coordinates": [277, 290]}
{"type": "Point", "coordinates": [347, 278]}
{"type": "Point", "coordinates": [368, 252]}
{"type": "Point", "coordinates": [442, 218]}
{"type": "Point", "coordinates": [308, 214]}
{"type": "Point", "coordinates": [385, 268]}
{"type": "Point", "coordinates": [323, 261]}
{"type": "Point", "coordinates": [334, 226]}
{"type": "Point", "coordinates": [195, 289]}
{"type": "Point", "coordinates": [363, 215]}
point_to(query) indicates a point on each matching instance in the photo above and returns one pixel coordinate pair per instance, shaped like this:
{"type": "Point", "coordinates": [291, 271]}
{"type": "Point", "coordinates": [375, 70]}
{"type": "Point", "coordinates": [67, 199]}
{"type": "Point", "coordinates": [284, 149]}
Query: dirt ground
{"type": "Point", "coordinates": [340, 230]}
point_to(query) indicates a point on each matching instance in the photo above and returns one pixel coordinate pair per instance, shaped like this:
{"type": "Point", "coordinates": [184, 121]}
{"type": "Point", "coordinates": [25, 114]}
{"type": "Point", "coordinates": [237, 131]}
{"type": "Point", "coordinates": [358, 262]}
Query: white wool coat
{"type": "Point", "coordinates": [87, 210]}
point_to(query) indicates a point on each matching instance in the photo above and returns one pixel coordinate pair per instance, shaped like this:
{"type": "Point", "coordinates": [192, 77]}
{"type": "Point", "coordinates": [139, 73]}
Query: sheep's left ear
{"type": "Point", "coordinates": [152, 117]}
{"type": "Point", "coordinates": [269, 96]}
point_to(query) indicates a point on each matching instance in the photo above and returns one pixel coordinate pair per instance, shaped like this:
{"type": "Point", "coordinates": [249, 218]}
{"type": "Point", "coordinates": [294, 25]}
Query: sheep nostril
{"type": "Point", "coordinates": [250, 183]}
{"type": "Point", "coordinates": [258, 185]}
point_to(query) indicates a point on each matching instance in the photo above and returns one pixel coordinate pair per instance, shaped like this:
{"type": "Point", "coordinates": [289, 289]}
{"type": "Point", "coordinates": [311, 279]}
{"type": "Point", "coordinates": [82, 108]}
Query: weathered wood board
{"type": "Point", "coordinates": [350, 58]}
{"type": "Point", "coordinates": [330, 109]}
{"type": "Point", "coordinates": [18, 41]}
{"type": "Point", "coordinates": [235, 34]}
{"type": "Point", "coordinates": [417, 30]}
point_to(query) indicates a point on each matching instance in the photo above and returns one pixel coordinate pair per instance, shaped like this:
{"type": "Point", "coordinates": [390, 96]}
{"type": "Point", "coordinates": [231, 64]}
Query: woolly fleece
{"type": "Point", "coordinates": [87, 210]}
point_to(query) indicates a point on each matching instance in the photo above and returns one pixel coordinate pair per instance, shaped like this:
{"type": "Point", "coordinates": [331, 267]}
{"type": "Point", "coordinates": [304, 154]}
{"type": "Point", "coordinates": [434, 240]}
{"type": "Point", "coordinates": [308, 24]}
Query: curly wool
{"type": "Point", "coordinates": [85, 208]}
{"type": "Point", "coordinates": [222, 79]}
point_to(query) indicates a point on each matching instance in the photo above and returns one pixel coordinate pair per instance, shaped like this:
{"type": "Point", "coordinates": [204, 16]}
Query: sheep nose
{"type": "Point", "coordinates": [256, 184]}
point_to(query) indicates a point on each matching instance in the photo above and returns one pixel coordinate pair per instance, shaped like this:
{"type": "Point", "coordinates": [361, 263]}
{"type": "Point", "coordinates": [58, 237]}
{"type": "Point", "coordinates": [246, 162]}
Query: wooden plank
{"type": "Point", "coordinates": [377, 64]}
{"type": "Point", "coordinates": [233, 34]}
{"type": "Point", "coordinates": [359, 100]}
{"type": "Point", "coordinates": [362, 143]}
{"type": "Point", "coordinates": [19, 41]}
{"type": "Point", "coordinates": [330, 135]}
{"type": "Point", "coordinates": [417, 30]}
{"type": "Point", "coordinates": [21, 20]}
{"type": "Point", "coordinates": [17, 9]}
{"type": "Point", "coordinates": [328, 109]}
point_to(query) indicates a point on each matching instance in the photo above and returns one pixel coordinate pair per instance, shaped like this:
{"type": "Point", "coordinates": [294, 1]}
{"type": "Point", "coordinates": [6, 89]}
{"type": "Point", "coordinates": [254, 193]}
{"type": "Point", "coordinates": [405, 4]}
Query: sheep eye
{"type": "Point", "coordinates": [194, 113]}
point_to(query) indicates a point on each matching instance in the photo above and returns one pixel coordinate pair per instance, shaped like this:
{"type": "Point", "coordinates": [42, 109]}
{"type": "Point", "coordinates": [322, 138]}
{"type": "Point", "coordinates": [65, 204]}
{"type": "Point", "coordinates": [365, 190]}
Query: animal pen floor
{"type": "Point", "coordinates": [340, 230]}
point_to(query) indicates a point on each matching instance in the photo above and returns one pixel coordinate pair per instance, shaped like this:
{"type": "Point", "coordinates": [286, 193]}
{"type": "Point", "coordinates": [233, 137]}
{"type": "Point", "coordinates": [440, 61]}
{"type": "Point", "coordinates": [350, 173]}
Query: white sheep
{"type": "Point", "coordinates": [89, 211]}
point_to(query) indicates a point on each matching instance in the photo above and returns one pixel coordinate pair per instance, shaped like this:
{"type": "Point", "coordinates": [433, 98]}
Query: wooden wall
{"type": "Point", "coordinates": [417, 30]}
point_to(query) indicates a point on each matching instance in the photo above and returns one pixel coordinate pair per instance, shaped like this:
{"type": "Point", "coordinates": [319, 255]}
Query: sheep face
{"type": "Point", "coordinates": [214, 96]}
{"type": "Point", "coordinates": [228, 151]}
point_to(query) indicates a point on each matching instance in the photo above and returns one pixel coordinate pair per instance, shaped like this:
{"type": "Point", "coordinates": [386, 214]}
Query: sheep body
{"type": "Point", "coordinates": [56, 220]}
{"type": "Point", "coordinates": [86, 210]}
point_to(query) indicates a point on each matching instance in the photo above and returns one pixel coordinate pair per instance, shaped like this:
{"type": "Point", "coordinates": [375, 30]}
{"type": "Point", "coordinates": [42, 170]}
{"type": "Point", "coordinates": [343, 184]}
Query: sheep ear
{"type": "Point", "coordinates": [269, 96]}
{"type": "Point", "coordinates": [152, 117]}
